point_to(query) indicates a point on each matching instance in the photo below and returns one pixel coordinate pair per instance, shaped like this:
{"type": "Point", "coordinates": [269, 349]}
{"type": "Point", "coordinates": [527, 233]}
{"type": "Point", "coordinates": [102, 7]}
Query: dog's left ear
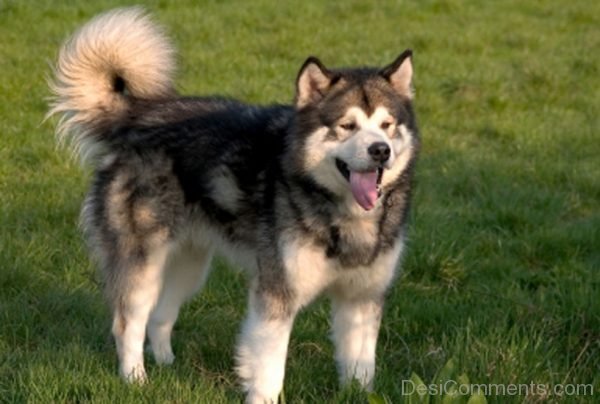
{"type": "Point", "coordinates": [400, 73]}
{"type": "Point", "coordinates": [313, 82]}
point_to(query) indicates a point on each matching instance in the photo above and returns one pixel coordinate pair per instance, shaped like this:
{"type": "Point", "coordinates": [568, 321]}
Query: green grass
{"type": "Point", "coordinates": [502, 271]}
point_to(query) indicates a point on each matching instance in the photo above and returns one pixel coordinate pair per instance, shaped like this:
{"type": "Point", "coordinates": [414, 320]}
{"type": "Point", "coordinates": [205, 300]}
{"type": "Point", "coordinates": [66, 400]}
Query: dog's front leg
{"type": "Point", "coordinates": [262, 348]}
{"type": "Point", "coordinates": [355, 329]}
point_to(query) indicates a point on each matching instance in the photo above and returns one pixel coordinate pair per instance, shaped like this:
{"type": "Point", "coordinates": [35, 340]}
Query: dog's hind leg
{"type": "Point", "coordinates": [138, 293]}
{"type": "Point", "coordinates": [186, 270]}
{"type": "Point", "coordinates": [130, 217]}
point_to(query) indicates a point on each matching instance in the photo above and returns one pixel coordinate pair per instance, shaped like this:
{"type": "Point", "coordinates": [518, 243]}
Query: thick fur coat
{"type": "Point", "coordinates": [311, 197]}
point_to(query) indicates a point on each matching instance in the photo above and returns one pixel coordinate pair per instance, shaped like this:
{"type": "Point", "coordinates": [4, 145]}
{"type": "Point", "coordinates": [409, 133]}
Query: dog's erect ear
{"type": "Point", "coordinates": [313, 82]}
{"type": "Point", "coordinates": [400, 73]}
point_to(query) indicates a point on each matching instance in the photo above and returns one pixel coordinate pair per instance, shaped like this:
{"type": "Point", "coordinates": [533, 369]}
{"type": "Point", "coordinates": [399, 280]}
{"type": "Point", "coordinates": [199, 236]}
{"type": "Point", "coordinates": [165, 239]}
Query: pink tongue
{"type": "Point", "coordinates": [364, 188]}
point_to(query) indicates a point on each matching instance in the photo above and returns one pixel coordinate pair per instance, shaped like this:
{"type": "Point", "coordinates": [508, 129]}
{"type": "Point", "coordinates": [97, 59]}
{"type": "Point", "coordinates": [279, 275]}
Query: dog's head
{"type": "Point", "coordinates": [356, 127]}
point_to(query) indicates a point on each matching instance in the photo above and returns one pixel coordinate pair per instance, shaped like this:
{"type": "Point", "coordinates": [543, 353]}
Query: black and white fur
{"type": "Point", "coordinates": [177, 179]}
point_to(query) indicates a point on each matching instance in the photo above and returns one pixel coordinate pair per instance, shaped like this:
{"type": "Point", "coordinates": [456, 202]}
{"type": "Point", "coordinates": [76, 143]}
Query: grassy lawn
{"type": "Point", "coordinates": [503, 267]}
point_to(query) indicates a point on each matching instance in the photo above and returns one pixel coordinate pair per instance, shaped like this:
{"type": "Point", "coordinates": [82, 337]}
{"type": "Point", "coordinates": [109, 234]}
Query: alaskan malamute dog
{"type": "Point", "coordinates": [311, 198]}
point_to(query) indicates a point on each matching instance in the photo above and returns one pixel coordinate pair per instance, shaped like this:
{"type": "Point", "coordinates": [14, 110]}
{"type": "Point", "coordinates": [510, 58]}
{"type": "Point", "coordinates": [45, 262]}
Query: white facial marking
{"type": "Point", "coordinates": [319, 159]}
{"type": "Point", "coordinates": [354, 150]}
{"type": "Point", "coordinates": [355, 132]}
{"type": "Point", "coordinates": [401, 148]}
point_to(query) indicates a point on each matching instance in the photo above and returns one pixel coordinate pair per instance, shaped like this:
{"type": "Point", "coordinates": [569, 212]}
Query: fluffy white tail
{"type": "Point", "coordinates": [115, 57]}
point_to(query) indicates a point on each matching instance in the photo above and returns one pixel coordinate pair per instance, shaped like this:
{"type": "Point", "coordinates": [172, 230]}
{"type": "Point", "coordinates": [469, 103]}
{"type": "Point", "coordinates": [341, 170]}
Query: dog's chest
{"type": "Point", "coordinates": [309, 271]}
{"type": "Point", "coordinates": [352, 242]}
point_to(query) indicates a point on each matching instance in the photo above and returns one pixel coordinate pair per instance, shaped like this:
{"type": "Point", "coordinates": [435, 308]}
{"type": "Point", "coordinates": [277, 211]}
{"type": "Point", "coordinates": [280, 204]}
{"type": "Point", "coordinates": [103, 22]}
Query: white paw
{"type": "Point", "coordinates": [160, 343]}
{"type": "Point", "coordinates": [363, 373]}
{"type": "Point", "coordinates": [134, 374]}
{"type": "Point", "coordinates": [163, 355]}
{"type": "Point", "coordinates": [256, 398]}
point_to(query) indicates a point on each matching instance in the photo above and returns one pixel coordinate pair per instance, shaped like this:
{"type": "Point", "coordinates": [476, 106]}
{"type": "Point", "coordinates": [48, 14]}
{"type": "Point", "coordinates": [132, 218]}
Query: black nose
{"type": "Point", "coordinates": [380, 152]}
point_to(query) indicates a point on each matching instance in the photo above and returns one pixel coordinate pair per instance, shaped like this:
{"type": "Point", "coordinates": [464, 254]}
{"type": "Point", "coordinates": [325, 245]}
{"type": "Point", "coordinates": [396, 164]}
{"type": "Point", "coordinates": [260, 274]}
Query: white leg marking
{"type": "Point", "coordinates": [185, 272]}
{"type": "Point", "coordinates": [261, 355]}
{"type": "Point", "coordinates": [131, 315]}
{"type": "Point", "coordinates": [355, 329]}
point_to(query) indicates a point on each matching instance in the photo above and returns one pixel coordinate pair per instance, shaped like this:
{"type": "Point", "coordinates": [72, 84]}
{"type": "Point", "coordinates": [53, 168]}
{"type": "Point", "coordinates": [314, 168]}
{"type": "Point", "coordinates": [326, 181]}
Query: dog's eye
{"type": "Point", "coordinates": [349, 126]}
{"type": "Point", "coordinates": [385, 125]}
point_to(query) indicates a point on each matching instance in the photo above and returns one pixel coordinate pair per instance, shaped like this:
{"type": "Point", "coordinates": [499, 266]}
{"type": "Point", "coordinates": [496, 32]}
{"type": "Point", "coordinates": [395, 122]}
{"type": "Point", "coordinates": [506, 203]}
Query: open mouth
{"type": "Point", "coordinates": [365, 185]}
